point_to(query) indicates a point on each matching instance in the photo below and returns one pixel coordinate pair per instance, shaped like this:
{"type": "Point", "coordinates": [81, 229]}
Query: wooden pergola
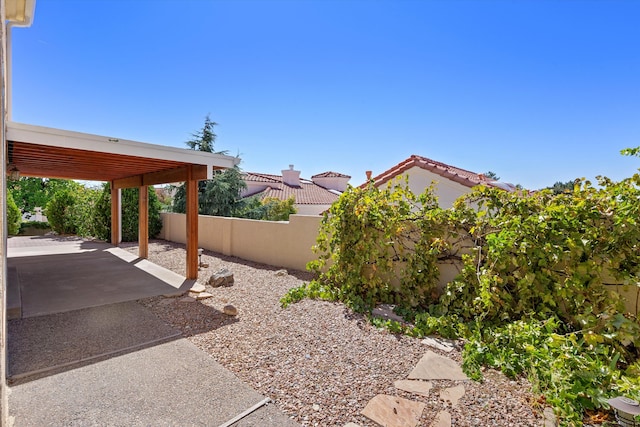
{"type": "Point", "coordinates": [37, 151]}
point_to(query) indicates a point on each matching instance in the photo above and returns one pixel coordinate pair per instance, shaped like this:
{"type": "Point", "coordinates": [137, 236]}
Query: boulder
{"type": "Point", "coordinates": [221, 278]}
{"type": "Point", "coordinates": [230, 310]}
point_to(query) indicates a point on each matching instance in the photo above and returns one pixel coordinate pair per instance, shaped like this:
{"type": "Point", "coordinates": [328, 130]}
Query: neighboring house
{"type": "Point", "coordinates": [312, 197]}
{"type": "Point", "coordinates": [450, 182]}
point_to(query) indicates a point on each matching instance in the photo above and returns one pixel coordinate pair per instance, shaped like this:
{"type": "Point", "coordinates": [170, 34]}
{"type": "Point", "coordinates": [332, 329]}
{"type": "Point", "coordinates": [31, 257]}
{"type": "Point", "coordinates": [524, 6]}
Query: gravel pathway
{"type": "Point", "coordinates": [318, 361]}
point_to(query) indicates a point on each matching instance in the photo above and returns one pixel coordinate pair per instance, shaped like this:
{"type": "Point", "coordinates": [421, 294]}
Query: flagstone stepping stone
{"type": "Point", "coordinates": [432, 366]}
{"type": "Point", "coordinates": [385, 311]}
{"type": "Point", "coordinates": [443, 419]}
{"type": "Point", "coordinates": [173, 294]}
{"type": "Point", "coordinates": [351, 425]}
{"type": "Point", "coordinates": [203, 295]}
{"type": "Point", "coordinates": [414, 386]}
{"type": "Point", "coordinates": [393, 411]}
{"type": "Point", "coordinates": [439, 343]}
{"type": "Point", "coordinates": [197, 288]}
{"type": "Point", "coordinates": [452, 394]}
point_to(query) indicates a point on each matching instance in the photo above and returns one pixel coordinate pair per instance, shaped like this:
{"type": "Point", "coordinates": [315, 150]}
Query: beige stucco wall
{"type": "Point", "coordinates": [278, 243]}
{"type": "Point", "coordinates": [446, 190]}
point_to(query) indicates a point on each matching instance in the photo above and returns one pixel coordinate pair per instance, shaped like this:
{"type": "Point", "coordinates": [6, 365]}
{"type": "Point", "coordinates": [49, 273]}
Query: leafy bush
{"type": "Point", "coordinates": [267, 209]}
{"type": "Point", "coordinates": [101, 217]}
{"type": "Point", "coordinates": [531, 297]}
{"type": "Point", "coordinates": [59, 212]}
{"type": "Point", "coordinates": [70, 211]}
{"type": "Point", "coordinates": [382, 246]}
{"type": "Point", "coordinates": [14, 216]}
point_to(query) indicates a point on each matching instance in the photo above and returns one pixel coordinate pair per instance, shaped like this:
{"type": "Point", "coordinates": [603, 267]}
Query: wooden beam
{"type": "Point", "coordinates": [163, 177]}
{"type": "Point", "coordinates": [143, 222]}
{"type": "Point", "coordinates": [128, 182]}
{"type": "Point", "coordinates": [192, 224]}
{"type": "Point", "coordinates": [115, 215]}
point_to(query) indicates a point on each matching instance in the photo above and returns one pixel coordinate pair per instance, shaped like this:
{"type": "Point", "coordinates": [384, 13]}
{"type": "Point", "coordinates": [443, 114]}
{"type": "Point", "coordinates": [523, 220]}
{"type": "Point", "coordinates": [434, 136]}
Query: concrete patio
{"type": "Point", "coordinates": [81, 351]}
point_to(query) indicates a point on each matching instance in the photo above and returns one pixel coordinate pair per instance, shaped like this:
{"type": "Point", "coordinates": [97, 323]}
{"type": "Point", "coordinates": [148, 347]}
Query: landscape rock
{"type": "Point", "coordinates": [439, 343]}
{"type": "Point", "coordinates": [221, 278]}
{"type": "Point", "coordinates": [203, 295]}
{"type": "Point", "coordinates": [197, 288]}
{"type": "Point", "coordinates": [351, 425]}
{"type": "Point", "coordinates": [443, 419]}
{"type": "Point", "coordinates": [432, 366]}
{"type": "Point", "coordinates": [414, 386]}
{"type": "Point", "coordinates": [549, 418]}
{"type": "Point", "coordinates": [452, 394]}
{"type": "Point", "coordinates": [230, 310]}
{"type": "Point", "coordinates": [281, 273]}
{"type": "Point", "coordinates": [187, 299]}
{"type": "Point", "coordinates": [393, 411]}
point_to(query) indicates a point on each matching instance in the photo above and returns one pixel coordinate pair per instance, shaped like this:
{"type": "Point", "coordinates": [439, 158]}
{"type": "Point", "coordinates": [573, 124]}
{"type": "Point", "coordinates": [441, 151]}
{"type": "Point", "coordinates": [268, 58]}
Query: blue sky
{"type": "Point", "coordinates": [535, 91]}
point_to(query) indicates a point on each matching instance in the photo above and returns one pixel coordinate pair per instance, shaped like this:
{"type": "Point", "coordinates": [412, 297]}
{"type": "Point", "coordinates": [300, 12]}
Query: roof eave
{"type": "Point", "coordinates": [41, 135]}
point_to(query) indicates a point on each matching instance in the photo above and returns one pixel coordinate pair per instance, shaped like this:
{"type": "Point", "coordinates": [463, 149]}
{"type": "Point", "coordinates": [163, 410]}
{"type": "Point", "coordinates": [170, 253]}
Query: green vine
{"type": "Point", "coordinates": [531, 298]}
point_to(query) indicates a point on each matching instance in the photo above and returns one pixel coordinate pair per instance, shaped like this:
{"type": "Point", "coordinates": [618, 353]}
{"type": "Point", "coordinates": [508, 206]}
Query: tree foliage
{"type": "Point", "coordinates": [267, 209]}
{"type": "Point", "coordinates": [492, 175]}
{"type": "Point", "coordinates": [205, 138]}
{"type": "Point", "coordinates": [30, 193]}
{"type": "Point", "coordinates": [14, 216]}
{"type": "Point", "coordinates": [563, 187]}
{"type": "Point", "coordinates": [219, 196]}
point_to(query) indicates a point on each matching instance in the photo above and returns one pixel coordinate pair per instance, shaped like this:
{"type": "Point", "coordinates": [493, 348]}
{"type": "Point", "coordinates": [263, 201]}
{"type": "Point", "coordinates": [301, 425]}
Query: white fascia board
{"type": "Point", "coordinates": [41, 135]}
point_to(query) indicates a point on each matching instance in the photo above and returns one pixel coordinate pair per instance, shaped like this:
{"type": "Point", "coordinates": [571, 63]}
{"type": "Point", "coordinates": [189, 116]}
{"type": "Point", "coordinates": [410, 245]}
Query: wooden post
{"type": "Point", "coordinates": [192, 225]}
{"type": "Point", "coordinates": [143, 222]}
{"type": "Point", "coordinates": [115, 215]}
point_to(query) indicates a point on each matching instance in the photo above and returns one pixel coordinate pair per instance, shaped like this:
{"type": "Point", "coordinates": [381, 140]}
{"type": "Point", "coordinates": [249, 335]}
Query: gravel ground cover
{"type": "Point", "coordinates": [318, 361]}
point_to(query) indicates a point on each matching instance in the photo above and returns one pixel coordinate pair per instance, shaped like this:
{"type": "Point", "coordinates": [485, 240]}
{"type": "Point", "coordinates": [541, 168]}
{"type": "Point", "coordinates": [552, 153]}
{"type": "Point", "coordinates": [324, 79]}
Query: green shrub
{"type": "Point", "coordinates": [59, 212]}
{"type": "Point", "coordinates": [14, 216]}
{"type": "Point", "coordinates": [129, 207]}
{"type": "Point", "coordinates": [69, 211]}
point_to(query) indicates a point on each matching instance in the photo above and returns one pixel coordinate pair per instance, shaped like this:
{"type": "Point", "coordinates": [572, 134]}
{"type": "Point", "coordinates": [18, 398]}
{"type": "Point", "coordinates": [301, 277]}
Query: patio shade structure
{"type": "Point", "coordinates": [37, 151]}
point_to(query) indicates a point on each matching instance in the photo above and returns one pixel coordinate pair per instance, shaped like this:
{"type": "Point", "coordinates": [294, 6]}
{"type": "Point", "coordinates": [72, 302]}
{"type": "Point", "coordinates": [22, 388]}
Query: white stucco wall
{"type": "Point", "coordinates": [446, 190]}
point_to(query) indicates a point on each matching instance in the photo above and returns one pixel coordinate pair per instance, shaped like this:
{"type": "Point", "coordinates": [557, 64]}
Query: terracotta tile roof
{"type": "Point", "coordinates": [307, 193]}
{"type": "Point", "coordinates": [261, 177]}
{"type": "Point", "coordinates": [330, 175]}
{"type": "Point", "coordinates": [461, 176]}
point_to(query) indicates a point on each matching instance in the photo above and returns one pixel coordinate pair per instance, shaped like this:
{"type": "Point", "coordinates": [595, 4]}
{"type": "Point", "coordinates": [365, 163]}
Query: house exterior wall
{"type": "Point", "coordinates": [446, 190]}
{"type": "Point", "coordinates": [311, 209]}
{"type": "Point", "coordinates": [253, 188]}
{"type": "Point", "coordinates": [4, 407]}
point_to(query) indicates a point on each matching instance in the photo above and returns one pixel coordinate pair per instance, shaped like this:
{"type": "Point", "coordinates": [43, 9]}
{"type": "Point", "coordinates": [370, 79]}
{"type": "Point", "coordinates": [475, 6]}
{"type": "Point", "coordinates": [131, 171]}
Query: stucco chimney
{"type": "Point", "coordinates": [291, 177]}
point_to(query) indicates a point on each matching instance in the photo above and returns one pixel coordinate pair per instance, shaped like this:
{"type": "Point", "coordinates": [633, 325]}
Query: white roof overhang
{"type": "Point", "coordinates": [56, 153]}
